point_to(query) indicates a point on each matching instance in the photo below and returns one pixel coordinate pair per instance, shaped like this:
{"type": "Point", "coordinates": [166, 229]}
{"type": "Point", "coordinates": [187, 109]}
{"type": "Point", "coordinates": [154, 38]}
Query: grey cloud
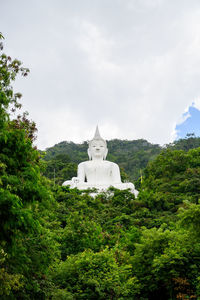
{"type": "Point", "coordinates": [130, 66]}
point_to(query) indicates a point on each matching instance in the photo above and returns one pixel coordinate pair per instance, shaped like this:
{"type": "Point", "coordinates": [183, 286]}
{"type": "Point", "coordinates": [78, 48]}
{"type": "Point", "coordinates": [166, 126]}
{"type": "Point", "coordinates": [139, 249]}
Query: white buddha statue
{"type": "Point", "coordinates": [97, 172]}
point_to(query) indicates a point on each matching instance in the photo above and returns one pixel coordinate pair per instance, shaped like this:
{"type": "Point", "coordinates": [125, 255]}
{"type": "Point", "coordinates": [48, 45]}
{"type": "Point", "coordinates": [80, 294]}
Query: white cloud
{"type": "Point", "coordinates": [196, 103]}
{"type": "Point", "coordinates": [133, 67]}
{"type": "Point", "coordinates": [97, 48]}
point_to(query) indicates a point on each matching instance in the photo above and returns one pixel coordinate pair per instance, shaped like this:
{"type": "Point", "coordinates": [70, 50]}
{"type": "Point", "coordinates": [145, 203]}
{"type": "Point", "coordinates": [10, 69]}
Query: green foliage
{"type": "Point", "coordinates": [25, 199]}
{"type": "Point", "coordinates": [8, 282]}
{"type": "Point", "coordinates": [91, 275]}
{"type": "Point", "coordinates": [173, 177]}
{"type": "Point", "coordinates": [189, 142]}
{"type": "Point", "coordinates": [60, 168]}
{"type": "Point", "coordinates": [162, 258]}
{"type": "Point", "coordinates": [80, 233]}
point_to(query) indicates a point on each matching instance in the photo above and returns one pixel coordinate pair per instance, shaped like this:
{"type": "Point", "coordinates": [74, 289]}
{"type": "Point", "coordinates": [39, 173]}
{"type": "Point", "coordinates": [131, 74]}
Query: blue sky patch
{"type": "Point", "coordinates": [191, 124]}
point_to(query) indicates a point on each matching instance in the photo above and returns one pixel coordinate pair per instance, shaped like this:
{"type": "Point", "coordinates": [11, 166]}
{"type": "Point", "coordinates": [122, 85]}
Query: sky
{"type": "Point", "coordinates": [190, 124]}
{"type": "Point", "coordinates": [130, 66]}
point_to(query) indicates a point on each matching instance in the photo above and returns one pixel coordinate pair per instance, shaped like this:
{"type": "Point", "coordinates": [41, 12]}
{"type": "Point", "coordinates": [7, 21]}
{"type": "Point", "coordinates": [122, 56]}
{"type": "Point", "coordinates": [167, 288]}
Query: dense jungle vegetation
{"type": "Point", "coordinates": [57, 243]}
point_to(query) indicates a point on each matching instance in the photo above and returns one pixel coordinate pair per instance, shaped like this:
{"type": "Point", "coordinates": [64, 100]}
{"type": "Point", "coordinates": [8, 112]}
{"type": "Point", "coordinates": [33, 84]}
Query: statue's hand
{"type": "Point", "coordinates": [75, 180]}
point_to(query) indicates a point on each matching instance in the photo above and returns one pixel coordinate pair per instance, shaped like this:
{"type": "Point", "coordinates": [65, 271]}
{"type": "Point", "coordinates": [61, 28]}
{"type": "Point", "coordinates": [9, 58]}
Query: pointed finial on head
{"type": "Point", "coordinates": [97, 134]}
{"type": "Point", "coordinates": [97, 137]}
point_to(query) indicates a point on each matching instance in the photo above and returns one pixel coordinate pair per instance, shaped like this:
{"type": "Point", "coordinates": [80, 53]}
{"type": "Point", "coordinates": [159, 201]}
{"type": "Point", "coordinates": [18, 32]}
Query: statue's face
{"type": "Point", "coordinates": [98, 149]}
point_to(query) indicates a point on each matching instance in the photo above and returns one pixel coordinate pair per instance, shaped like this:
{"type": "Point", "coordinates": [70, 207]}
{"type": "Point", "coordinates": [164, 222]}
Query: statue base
{"type": "Point", "coordinates": [74, 183]}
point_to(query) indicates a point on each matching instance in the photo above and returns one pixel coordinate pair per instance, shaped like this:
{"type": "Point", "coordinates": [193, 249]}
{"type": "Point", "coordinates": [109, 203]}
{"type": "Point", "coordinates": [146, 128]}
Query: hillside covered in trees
{"type": "Point", "coordinates": [57, 243]}
{"type": "Point", "coordinates": [132, 156]}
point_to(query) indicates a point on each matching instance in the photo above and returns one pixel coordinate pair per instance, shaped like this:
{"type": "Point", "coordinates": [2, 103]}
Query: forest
{"type": "Point", "coordinates": [60, 243]}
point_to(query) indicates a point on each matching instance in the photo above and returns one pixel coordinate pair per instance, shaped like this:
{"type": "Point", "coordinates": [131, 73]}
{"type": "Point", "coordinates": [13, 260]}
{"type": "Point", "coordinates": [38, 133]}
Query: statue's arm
{"type": "Point", "coordinates": [116, 173]}
{"type": "Point", "coordinates": [81, 172]}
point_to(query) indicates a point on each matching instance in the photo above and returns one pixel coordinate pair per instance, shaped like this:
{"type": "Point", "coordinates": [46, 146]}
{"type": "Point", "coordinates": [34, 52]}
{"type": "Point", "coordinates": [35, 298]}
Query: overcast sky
{"type": "Point", "coordinates": [130, 66]}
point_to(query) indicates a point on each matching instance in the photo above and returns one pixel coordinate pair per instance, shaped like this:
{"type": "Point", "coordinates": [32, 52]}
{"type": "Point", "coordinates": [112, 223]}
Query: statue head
{"type": "Point", "coordinates": [97, 147]}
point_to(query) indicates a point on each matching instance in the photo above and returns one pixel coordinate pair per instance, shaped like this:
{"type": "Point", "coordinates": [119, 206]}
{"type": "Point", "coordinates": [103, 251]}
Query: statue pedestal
{"type": "Point", "coordinates": [74, 183]}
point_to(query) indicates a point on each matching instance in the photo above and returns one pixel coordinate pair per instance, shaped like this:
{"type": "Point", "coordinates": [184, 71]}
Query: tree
{"type": "Point", "coordinates": [174, 176]}
{"type": "Point", "coordinates": [90, 275]}
{"type": "Point", "coordinates": [24, 196]}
